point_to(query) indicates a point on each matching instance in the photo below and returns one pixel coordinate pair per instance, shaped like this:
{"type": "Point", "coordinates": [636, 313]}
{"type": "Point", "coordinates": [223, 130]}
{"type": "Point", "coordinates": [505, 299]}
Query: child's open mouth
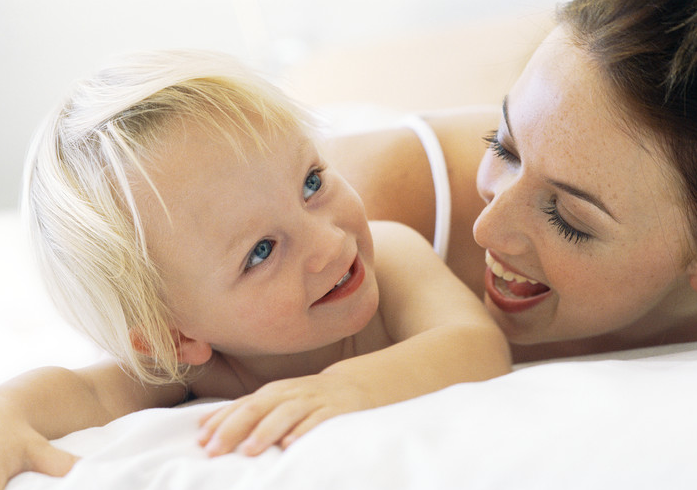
{"type": "Point", "coordinates": [345, 286]}
{"type": "Point", "coordinates": [510, 291]}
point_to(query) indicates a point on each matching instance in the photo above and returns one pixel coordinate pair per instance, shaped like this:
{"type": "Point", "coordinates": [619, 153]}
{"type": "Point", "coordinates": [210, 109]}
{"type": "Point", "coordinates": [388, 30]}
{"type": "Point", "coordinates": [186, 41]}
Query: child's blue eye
{"type": "Point", "coordinates": [313, 182]}
{"type": "Point", "coordinates": [261, 252]}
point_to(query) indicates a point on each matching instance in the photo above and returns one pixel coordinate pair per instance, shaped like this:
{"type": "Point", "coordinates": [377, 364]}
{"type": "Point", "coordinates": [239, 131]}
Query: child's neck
{"type": "Point", "coordinates": [254, 372]}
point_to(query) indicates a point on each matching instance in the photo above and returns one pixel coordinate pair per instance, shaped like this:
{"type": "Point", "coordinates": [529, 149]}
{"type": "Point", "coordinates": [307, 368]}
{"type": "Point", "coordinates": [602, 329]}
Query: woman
{"type": "Point", "coordinates": [589, 185]}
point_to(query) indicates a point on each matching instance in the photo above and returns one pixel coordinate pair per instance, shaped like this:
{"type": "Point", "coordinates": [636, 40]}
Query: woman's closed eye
{"type": "Point", "coordinates": [259, 253]}
{"type": "Point", "coordinates": [493, 142]}
{"type": "Point", "coordinates": [563, 228]}
{"type": "Point", "coordinates": [313, 183]}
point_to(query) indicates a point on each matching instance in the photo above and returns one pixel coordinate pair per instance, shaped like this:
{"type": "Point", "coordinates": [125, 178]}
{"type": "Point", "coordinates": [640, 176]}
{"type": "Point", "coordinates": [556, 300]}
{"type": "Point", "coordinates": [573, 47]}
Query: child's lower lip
{"type": "Point", "coordinates": [348, 288]}
{"type": "Point", "coordinates": [506, 304]}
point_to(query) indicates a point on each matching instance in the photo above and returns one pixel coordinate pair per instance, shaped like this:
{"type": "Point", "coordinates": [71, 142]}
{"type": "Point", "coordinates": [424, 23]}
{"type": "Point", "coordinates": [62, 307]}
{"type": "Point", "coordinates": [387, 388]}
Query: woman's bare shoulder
{"type": "Point", "coordinates": [390, 171]}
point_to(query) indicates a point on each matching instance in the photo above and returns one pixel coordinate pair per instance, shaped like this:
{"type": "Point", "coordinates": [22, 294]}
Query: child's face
{"type": "Point", "coordinates": [253, 249]}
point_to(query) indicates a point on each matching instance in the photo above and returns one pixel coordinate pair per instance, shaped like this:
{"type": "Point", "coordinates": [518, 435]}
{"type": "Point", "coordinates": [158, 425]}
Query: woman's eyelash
{"type": "Point", "coordinates": [492, 140]}
{"type": "Point", "coordinates": [563, 228]}
{"type": "Point", "coordinates": [555, 219]}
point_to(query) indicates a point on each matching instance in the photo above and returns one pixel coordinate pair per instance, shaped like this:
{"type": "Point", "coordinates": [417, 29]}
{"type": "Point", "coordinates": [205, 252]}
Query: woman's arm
{"type": "Point", "coordinates": [49, 403]}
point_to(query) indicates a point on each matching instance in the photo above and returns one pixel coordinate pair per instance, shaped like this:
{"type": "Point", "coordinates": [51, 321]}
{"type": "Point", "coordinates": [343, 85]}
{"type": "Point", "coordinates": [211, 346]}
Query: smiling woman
{"type": "Point", "coordinates": [547, 209]}
{"type": "Point", "coordinates": [586, 184]}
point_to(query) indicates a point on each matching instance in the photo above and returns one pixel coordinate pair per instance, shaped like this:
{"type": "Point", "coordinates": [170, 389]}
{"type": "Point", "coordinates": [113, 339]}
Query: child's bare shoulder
{"type": "Point", "coordinates": [400, 249]}
{"type": "Point", "coordinates": [395, 234]}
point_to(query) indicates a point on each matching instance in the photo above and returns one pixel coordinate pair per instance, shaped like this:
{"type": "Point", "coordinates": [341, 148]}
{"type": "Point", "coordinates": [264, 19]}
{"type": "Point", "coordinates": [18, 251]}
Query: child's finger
{"type": "Point", "coordinates": [214, 415]}
{"type": "Point", "coordinates": [210, 423]}
{"type": "Point", "coordinates": [44, 458]}
{"type": "Point", "coordinates": [235, 427]}
{"type": "Point", "coordinates": [272, 428]}
{"type": "Point", "coordinates": [214, 418]}
{"type": "Point", "coordinates": [204, 419]}
{"type": "Point", "coordinates": [304, 427]}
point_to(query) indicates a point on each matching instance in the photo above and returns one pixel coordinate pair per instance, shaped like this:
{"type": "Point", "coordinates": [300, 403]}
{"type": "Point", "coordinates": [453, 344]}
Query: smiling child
{"type": "Point", "coordinates": [185, 220]}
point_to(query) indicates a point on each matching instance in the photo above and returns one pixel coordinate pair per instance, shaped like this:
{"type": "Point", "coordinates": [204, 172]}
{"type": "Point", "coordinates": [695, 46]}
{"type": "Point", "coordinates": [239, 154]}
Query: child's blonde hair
{"type": "Point", "coordinates": [78, 201]}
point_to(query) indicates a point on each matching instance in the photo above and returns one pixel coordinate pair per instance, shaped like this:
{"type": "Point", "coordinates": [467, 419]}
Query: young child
{"type": "Point", "coordinates": [184, 219]}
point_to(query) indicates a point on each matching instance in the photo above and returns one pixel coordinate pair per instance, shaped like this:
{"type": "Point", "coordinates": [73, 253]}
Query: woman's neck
{"type": "Point", "coordinates": [672, 320]}
{"type": "Point", "coordinates": [649, 332]}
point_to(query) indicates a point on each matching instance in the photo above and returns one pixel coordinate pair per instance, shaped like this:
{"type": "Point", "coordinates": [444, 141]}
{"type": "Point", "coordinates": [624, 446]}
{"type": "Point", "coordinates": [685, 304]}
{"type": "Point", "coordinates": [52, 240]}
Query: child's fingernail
{"type": "Point", "coordinates": [203, 436]}
{"type": "Point", "coordinates": [250, 447]}
{"type": "Point", "coordinates": [213, 447]}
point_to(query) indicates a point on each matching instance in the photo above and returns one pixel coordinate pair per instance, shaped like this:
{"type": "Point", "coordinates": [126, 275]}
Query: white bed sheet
{"type": "Point", "coordinates": [605, 424]}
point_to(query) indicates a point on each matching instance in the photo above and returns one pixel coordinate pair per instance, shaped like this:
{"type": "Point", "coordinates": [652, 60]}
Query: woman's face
{"type": "Point", "coordinates": [577, 205]}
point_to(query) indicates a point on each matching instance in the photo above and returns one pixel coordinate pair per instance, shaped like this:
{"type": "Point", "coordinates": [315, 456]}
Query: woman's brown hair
{"type": "Point", "coordinates": [648, 53]}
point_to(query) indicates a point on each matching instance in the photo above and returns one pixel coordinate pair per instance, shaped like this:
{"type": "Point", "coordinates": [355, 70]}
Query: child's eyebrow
{"type": "Point", "coordinates": [305, 147]}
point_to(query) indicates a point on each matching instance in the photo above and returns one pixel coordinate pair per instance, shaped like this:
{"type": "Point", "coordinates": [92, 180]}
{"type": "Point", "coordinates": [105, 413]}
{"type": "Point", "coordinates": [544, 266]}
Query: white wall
{"type": "Point", "coordinates": [44, 44]}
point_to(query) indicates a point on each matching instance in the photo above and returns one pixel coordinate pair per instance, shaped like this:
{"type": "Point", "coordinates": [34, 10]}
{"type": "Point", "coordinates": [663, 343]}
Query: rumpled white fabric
{"type": "Point", "coordinates": [590, 424]}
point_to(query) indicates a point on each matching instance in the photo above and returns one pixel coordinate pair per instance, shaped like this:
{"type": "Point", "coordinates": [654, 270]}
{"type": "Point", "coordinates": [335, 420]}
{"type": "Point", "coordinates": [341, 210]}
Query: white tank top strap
{"type": "Point", "coordinates": [441, 183]}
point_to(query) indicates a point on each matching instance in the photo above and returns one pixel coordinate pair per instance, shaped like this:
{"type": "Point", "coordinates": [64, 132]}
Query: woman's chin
{"type": "Point", "coordinates": [513, 328]}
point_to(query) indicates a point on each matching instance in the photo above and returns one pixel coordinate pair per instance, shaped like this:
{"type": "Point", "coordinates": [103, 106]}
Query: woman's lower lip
{"type": "Point", "coordinates": [506, 304]}
{"type": "Point", "coordinates": [349, 287]}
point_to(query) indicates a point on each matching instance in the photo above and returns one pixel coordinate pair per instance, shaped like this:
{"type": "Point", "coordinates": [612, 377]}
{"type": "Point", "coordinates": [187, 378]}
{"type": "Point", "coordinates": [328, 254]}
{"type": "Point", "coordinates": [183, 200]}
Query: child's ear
{"type": "Point", "coordinates": [193, 352]}
{"type": "Point", "coordinates": [139, 344]}
{"type": "Point", "coordinates": [189, 351]}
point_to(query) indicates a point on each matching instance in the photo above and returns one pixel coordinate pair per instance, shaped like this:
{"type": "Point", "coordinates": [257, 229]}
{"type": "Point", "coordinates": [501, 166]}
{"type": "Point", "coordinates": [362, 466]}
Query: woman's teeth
{"type": "Point", "coordinates": [499, 271]}
{"type": "Point", "coordinates": [343, 280]}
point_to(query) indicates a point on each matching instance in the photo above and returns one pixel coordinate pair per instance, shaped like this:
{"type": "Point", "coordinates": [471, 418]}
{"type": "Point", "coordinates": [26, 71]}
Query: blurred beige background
{"type": "Point", "coordinates": [399, 54]}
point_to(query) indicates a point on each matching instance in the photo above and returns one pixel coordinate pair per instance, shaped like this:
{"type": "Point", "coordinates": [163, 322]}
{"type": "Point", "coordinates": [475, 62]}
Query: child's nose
{"type": "Point", "coordinates": [325, 242]}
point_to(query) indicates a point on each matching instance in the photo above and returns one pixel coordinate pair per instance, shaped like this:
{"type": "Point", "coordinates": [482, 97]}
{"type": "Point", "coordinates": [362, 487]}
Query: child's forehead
{"type": "Point", "coordinates": [251, 133]}
{"type": "Point", "coordinates": [197, 181]}
{"type": "Point", "coordinates": [193, 151]}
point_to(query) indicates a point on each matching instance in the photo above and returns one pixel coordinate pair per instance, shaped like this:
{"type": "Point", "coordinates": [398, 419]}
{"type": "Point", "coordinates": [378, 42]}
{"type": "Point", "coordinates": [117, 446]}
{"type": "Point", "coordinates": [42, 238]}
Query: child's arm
{"type": "Point", "coordinates": [50, 402]}
{"type": "Point", "coordinates": [429, 312]}
{"type": "Point", "coordinates": [443, 336]}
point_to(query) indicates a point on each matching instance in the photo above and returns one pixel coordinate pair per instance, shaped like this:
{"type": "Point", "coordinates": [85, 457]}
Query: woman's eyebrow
{"type": "Point", "coordinates": [504, 109]}
{"type": "Point", "coordinates": [569, 189]}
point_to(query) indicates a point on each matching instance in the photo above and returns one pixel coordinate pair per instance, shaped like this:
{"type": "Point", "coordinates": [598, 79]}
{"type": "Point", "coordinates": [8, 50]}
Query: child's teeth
{"type": "Point", "coordinates": [499, 271]}
{"type": "Point", "coordinates": [343, 279]}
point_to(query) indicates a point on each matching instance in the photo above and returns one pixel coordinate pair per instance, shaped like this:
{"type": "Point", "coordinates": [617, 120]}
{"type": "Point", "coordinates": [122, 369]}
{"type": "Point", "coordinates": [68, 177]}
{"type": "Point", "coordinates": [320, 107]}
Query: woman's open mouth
{"type": "Point", "coordinates": [509, 291]}
{"type": "Point", "coordinates": [345, 286]}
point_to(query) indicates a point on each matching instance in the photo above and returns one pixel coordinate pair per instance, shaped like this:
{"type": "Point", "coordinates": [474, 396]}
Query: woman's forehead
{"type": "Point", "coordinates": [567, 125]}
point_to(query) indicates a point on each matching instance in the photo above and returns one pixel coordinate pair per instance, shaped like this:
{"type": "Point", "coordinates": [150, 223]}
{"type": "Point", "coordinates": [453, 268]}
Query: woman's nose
{"type": "Point", "coordinates": [501, 224]}
{"type": "Point", "coordinates": [485, 181]}
{"type": "Point", "coordinates": [325, 242]}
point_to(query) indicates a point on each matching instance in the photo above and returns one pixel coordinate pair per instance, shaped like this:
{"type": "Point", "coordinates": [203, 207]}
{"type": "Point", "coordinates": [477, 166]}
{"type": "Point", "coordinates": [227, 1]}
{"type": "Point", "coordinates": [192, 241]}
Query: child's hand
{"type": "Point", "coordinates": [279, 412]}
{"type": "Point", "coordinates": [23, 449]}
